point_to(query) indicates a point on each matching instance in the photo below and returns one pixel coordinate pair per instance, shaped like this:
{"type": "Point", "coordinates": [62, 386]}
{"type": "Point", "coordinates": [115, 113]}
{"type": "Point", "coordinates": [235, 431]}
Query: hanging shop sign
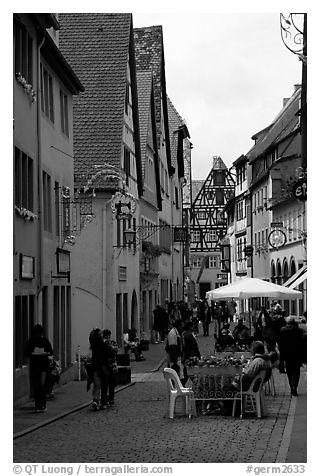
{"type": "Point", "coordinates": [276, 224]}
{"type": "Point", "coordinates": [299, 190]}
{"type": "Point", "coordinates": [123, 205]}
{"type": "Point", "coordinates": [277, 238]}
{"type": "Point", "coordinates": [180, 234]}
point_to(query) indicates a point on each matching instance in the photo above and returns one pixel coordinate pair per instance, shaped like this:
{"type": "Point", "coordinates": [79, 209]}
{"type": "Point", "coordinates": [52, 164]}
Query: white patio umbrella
{"type": "Point", "coordinates": [246, 288]}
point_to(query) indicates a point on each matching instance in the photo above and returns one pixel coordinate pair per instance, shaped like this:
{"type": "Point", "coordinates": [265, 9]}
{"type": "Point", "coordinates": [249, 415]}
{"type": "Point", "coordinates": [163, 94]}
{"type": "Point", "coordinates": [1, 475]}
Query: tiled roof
{"type": "Point", "coordinates": [175, 121]}
{"type": "Point", "coordinates": [97, 46]}
{"type": "Point", "coordinates": [284, 124]}
{"type": "Point", "coordinates": [149, 55]}
{"type": "Point", "coordinates": [144, 84]}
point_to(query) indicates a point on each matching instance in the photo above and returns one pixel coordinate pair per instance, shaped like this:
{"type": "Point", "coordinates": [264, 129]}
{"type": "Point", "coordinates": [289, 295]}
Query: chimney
{"type": "Point", "coordinates": [296, 87]}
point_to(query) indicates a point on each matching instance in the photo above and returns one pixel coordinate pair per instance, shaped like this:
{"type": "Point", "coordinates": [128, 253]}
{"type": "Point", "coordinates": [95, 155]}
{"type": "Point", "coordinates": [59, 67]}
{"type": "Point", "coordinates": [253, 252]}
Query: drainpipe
{"type": "Point", "coordinates": [104, 261]}
{"type": "Point", "coordinates": [40, 194]}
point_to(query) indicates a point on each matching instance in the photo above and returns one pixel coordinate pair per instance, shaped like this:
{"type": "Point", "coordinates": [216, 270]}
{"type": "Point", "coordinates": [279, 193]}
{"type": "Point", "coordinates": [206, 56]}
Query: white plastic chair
{"type": "Point", "coordinates": [255, 394]}
{"type": "Point", "coordinates": [177, 390]}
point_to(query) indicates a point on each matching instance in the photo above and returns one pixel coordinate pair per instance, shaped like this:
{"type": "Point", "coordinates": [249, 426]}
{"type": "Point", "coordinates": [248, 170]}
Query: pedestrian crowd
{"type": "Point", "coordinates": [278, 340]}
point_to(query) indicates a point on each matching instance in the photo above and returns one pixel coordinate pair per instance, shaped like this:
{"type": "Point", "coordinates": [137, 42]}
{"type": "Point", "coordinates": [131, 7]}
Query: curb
{"type": "Point", "coordinates": [61, 415]}
{"type": "Point", "coordinates": [286, 436]}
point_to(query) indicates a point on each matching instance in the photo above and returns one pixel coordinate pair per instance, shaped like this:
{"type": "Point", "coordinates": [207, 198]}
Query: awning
{"type": "Point", "coordinates": [297, 278]}
{"type": "Point", "coordinates": [298, 281]}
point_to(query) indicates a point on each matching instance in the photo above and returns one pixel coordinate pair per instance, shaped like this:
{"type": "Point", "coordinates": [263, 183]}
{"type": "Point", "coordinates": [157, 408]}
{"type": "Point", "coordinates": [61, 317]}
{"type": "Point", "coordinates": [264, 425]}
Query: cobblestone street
{"type": "Point", "coordinates": [138, 430]}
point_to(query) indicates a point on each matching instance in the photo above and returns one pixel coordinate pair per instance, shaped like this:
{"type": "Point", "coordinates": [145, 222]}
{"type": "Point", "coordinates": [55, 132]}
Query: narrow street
{"type": "Point", "coordinates": [138, 429]}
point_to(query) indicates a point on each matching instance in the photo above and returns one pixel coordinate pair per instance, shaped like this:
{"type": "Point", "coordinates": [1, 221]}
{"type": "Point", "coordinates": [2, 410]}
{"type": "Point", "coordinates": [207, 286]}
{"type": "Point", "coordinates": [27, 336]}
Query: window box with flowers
{"type": "Point", "coordinates": [27, 87]}
{"type": "Point", "coordinates": [26, 214]}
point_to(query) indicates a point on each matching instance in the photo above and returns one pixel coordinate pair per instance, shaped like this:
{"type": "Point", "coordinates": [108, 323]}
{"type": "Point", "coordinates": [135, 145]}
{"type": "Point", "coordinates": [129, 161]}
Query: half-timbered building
{"type": "Point", "coordinates": [208, 224]}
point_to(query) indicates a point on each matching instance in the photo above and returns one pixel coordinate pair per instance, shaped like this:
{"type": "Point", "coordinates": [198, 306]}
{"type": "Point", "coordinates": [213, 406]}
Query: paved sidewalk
{"type": "Point", "coordinates": [73, 396]}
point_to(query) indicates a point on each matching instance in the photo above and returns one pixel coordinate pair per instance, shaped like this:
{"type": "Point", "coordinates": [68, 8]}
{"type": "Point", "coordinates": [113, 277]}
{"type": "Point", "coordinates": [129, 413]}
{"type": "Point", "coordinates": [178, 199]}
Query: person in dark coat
{"type": "Point", "coordinates": [112, 367]}
{"type": "Point", "coordinates": [38, 349]}
{"type": "Point", "coordinates": [291, 346]}
{"type": "Point", "coordinates": [206, 316]}
{"type": "Point", "coordinates": [160, 323]}
{"type": "Point", "coordinates": [241, 334]}
{"type": "Point", "coordinates": [190, 346]}
{"type": "Point", "coordinates": [99, 363]}
{"type": "Point", "coordinates": [225, 341]}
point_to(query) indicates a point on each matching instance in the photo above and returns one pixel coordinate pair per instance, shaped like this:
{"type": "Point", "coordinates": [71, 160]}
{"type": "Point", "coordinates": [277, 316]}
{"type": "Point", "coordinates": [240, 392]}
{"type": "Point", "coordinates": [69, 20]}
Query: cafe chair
{"type": "Point", "coordinates": [177, 390]}
{"type": "Point", "coordinates": [255, 395]}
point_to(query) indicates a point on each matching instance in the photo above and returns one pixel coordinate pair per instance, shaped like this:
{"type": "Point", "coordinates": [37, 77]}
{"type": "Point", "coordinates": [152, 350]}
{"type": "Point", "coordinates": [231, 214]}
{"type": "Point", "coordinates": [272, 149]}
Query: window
{"type": "Point", "coordinates": [23, 54]}
{"type": "Point", "coordinates": [165, 236]}
{"type": "Point", "coordinates": [177, 196]}
{"type": "Point", "coordinates": [46, 184]}
{"type": "Point", "coordinates": [214, 262]}
{"type": "Point", "coordinates": [196, 235]}
{"type": "Point", "coordinates": [212, 235]}
{"type": "Point", "coordinates": [64, 113]}
{"type": "Point", "coordinates": [126, 164]}
{"type": "Point", "coordinates": [219, 197]}
{"type": "Point", "coordinates": [46, 93]}
{"type": "Point", "coordinates": [241, 210]}
{"type": "Point", "coordinates": [23, 172]}
{"type": "Point", "coordinates": [240, 245]}
{"type": "Point", "coordinates": [202, 215]}
{"type": "Point", "coordinates": [24, 321]}
{"type": "Point", "coordinates": [196, 262]}
{"type": "Point", "coordinates": [219, 178]}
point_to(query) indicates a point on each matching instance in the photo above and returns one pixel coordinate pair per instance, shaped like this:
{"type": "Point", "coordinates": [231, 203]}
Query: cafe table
{"type": "Point", "coordinates": [212, 382]}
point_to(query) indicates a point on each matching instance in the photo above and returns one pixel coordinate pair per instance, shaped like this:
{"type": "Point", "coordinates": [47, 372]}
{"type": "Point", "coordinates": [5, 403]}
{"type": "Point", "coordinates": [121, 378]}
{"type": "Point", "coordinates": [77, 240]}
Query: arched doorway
{"type": "Point", "coordinates": [278, 273]}
{"type": "Point", "coordinates": [134, 311]}
{"type": "Point", "coordinates": [273, 272]}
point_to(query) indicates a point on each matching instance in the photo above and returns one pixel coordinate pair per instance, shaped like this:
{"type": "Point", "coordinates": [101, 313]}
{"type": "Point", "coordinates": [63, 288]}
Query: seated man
{"type": "Point", "coordinates": [131, 342]}
{"type": "Point", "coordinates": [258, 362]}
{"type": "Point", "coordinates": [225, 341]}
{"type": "Point", "coordinates": [241, 334]}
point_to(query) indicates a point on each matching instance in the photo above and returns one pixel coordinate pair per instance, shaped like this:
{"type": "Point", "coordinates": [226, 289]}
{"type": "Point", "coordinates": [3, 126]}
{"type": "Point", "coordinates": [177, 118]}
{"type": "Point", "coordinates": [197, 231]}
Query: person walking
{"type": "Point", "coordinates": [195, 317]}
{"type": "Point", "coordinates": [291, 346]}
{"type": "Point", "coordinates": [160, 323]}
{"type": "Point", "coordinates": [99, 363]}
{"type": "Point", "coordinates": [112, 367]}
{"type": "Point", "coordinates": [38, 349]}
{"type": "Point", "coordinates": [206, 319]}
